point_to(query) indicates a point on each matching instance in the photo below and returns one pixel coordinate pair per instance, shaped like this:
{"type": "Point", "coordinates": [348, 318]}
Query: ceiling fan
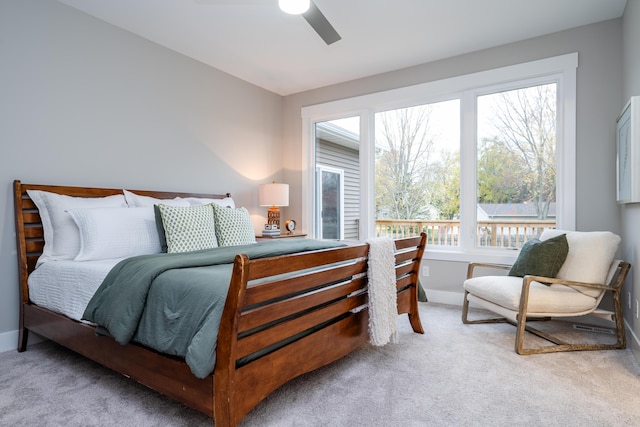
{"type": "Point", "coordinates": [306, 8]}
{"type": "Point", "coordinates": [313, 16]}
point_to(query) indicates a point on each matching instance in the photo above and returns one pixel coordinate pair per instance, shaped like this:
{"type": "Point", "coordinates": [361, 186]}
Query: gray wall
{"type": "Point", "coordinates": [599, 94]}
{"type": "Point", "coordinates": [630, 214]}
{"type": "Point", "coordinates": [85, 103]}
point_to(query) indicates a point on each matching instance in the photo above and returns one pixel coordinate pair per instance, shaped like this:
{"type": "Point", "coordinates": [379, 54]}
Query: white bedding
{"type": "Point", "coordinates": [67, 286]}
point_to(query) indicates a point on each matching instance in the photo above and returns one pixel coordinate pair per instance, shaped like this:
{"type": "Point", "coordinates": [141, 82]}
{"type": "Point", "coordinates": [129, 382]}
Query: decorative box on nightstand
{"type": "Point", "coordinates": [281, 236]}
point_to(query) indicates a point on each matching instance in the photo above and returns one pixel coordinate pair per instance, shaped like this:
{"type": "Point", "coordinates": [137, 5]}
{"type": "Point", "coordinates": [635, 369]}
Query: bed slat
{"type": "Point", "coordinates": [266, 291]}
{"type": "Point", "coordinates": [278, 310]}
{"type": "Point", "coordinates": [405, 281]}
{"type": "Point", "coordinates": [406, 256]}
{"type": "Point", "coordinates": [408, 242]}
{"type": "Point", "coordinates": [254, 343]}
{"type": "Point", "coordinates": [261, 268]}
{"type": "Point", "coordinates": [35, 232]}
{"type": "Point", "coordinates": [404, 269]}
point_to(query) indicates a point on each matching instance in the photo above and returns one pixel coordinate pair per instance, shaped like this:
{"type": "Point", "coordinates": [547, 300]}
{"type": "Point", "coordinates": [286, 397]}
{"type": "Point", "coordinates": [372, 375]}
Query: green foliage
{"type": "Point", "coordinates": [444, 185]}
{"type": "Point", "coordinates": [501, 178]}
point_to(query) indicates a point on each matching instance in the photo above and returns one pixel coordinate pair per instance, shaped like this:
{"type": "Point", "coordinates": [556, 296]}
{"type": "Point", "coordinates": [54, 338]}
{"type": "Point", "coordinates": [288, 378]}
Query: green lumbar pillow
{"type": "Point", "coordinates": [541, 258]}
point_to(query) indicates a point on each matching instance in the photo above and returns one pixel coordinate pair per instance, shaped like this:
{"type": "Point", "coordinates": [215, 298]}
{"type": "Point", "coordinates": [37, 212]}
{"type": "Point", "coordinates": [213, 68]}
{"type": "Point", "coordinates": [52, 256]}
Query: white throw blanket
{"type": "Point", "coordinates": [383, 311]}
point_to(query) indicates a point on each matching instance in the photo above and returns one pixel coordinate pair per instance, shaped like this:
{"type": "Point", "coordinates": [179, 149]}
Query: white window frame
{"type": "Point", "coordinates": [559, 69]}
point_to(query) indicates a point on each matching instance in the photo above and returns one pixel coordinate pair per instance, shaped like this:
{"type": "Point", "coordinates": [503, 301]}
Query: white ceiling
{"type": "Point", "coordinates": [255, 41]}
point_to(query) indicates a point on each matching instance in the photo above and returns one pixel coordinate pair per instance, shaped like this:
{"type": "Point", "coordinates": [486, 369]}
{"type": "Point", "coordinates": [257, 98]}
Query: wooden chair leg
{"type": "Point", "coordinates": [465, 308]}
{"type": "Point", "coordinates": [465, 315]}
{"type": "Point", "coordinates": [619, 319]}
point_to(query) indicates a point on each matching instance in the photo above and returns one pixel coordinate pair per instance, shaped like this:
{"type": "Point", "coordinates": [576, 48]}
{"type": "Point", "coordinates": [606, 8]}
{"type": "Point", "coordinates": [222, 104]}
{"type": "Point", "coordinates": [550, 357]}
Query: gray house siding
{"type": "Point", "coordinates": [347, 159]}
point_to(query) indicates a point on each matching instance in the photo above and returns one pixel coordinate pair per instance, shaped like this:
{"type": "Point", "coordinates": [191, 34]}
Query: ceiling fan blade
{"type": "Point", "coordinates": [318, 22]}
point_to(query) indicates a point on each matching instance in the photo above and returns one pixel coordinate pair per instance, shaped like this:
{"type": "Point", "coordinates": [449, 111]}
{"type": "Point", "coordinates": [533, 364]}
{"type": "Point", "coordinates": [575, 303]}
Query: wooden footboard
{"type": "Point", "coordinates": [275, 326]}
{"type": "Point", "coordinates": [277, 329]}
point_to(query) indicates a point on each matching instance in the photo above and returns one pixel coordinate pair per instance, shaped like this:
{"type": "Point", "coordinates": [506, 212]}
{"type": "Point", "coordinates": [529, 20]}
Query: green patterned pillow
{"type": "Point", "coordinates": [188, 228]}
{"type": "Point", "coordinates": [541, 258]}
{"type": "Point", "coordinates": [233, 226]}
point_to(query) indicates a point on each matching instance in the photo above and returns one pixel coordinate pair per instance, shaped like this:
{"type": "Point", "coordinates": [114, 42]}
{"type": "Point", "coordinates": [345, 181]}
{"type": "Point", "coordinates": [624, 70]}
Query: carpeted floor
{"type": "Point", "coordinates": [454, 375]}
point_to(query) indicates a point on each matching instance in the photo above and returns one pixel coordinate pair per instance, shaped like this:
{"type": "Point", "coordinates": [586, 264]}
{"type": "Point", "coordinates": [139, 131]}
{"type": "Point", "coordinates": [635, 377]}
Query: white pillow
{"type": "Point", "coordinates": [61, 235]}
{"type": "Point", "coordinates": [107, 233]}
{"type": "Point", "coordinates": [138, 201]}
{"type": "Point", "coordinates": [197, 201]}
{"type": "Point", "coordinates": [590, 256]}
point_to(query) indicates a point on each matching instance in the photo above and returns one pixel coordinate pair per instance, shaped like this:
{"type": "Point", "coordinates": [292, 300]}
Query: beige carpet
{"type": "Point", "coordinates": [454, 375]}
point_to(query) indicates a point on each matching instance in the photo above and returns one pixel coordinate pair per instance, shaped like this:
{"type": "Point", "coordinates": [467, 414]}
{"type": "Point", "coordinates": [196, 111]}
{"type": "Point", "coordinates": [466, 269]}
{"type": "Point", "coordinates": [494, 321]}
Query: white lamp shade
{"type": "Point", "coordinates": [273, 194]}
{"type": "Point", "coordinates": [294, 7]}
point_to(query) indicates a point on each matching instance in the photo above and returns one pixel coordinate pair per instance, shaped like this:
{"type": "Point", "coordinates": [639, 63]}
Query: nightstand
{"type": "Point", "coordinates": [282, 236]}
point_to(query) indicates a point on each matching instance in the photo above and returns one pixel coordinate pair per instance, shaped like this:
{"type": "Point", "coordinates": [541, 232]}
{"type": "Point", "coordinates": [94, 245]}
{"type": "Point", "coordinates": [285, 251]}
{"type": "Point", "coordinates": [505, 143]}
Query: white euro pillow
{"type": "Point", "coordinates": [199, 201]}
{"type": "Point", "coordinates": [107, 233]}
{"type": "Point", "coordinates": [137, 201]}
{"type": "Point", "coordinates": [61, 235]}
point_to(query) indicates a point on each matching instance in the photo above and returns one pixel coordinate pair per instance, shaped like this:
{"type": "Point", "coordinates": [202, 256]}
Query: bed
{"type": "Point", "coordinates": [279, 314]}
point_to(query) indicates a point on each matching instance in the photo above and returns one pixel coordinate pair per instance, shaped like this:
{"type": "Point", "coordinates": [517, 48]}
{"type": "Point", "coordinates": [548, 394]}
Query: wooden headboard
{"type": "Point", "coordinates": [29, 231]}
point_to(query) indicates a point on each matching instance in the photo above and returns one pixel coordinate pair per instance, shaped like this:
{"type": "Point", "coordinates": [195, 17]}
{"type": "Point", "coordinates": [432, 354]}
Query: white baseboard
{"type": "Point", "coordinates": [445, 297]}
{"type": "Point", "coordinates": [633, 342]}
{"type": "Point", "coordinates": [9, 340]}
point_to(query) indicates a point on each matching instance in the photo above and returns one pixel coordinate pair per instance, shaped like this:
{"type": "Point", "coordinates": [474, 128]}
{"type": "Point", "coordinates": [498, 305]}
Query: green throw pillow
{"type": "Point", "coordinates": [233, 226]}
{"type": "Point", "coordinates": [541, 258]}
{"type": "Point", "coordinates": [188, 228]}
{"type": "Point", "coordinates": [160, 228]}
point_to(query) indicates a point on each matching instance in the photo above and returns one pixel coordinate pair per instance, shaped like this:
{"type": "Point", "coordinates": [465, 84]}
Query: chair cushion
{"type": "Point", "coordinates": [541, 258]}
{"type": "Point", "coordinates": [505, 291]}
{"type": "Point", "coordinates": [590, 256]}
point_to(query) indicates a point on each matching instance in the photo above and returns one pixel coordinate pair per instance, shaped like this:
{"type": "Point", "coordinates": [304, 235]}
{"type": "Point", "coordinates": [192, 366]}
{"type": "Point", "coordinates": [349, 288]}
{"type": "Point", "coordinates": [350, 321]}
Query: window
{"type": "Point", "coordinates": [479, 162]}
{"type": "Point", "coordinates": [417, 172]}
{"type": "Point", "coordinates": [516, 165]}
{"type": "Point", "coordinates": [337, 181]}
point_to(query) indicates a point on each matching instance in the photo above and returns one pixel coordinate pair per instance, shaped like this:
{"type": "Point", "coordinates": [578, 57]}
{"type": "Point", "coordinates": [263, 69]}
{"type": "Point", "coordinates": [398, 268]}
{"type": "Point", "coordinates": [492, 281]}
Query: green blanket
{"type": "Point", "coordinates": [173, 302]}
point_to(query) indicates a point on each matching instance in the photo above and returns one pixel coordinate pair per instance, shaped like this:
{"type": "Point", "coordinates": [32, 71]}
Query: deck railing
{"type": "Point", "coordinates": [501, 234]}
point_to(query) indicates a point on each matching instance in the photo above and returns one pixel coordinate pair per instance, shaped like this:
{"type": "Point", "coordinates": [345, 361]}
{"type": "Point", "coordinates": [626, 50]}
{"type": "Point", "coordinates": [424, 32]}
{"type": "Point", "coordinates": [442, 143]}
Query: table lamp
{"type": "Point", "coordinates": [273, 195]}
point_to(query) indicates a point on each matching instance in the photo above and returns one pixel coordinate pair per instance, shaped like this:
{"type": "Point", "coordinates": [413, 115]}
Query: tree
{"type": "Point", "coordinates": [501, 178]}
{"type": "Point", "coordinates": [444, 185]}
{"type": "Point", "coordinates": [523, 127]}
{"type": "Point", "coordinates": [402, 163]}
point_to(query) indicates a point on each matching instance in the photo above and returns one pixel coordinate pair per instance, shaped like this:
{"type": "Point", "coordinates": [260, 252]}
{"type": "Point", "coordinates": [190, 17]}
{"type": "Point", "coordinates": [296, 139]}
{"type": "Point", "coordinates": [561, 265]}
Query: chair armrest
{"type": "Point", "coordinates": [555, 281]}
{"type": "Point", "coordinates": [473, 265]}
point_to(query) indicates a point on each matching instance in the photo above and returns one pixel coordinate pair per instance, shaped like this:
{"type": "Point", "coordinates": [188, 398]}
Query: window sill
{"type": "Point", "coordinates": [493, 256]}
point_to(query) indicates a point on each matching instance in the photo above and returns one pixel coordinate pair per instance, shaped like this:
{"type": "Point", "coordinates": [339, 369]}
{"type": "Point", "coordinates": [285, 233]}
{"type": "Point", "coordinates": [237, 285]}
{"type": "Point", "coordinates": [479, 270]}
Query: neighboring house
{"type": "Point", "coordinates": [512, 211]}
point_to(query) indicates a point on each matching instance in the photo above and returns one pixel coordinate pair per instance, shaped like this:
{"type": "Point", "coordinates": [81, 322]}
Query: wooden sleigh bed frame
{"type": "Point", "coordinates": [317, 308]}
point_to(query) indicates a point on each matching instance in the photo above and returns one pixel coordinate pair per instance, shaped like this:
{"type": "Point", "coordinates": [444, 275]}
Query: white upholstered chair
{"type": "Point", "coordinates": [587, 273]}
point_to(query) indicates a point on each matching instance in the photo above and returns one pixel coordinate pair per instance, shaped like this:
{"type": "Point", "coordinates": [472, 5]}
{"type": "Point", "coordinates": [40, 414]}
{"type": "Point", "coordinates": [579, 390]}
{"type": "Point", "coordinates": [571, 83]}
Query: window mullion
{"type": "Point", "coordinates": [468, 132]}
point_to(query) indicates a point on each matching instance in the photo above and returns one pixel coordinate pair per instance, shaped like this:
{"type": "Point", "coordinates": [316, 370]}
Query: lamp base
{"type": "Point", "coordinates": [273, 216]}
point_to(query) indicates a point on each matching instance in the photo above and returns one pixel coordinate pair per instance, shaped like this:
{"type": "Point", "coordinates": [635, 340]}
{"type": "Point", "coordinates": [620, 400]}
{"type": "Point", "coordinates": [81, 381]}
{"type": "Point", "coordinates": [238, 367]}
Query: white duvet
{"type": "Point", "coordinates": [67, 286]}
